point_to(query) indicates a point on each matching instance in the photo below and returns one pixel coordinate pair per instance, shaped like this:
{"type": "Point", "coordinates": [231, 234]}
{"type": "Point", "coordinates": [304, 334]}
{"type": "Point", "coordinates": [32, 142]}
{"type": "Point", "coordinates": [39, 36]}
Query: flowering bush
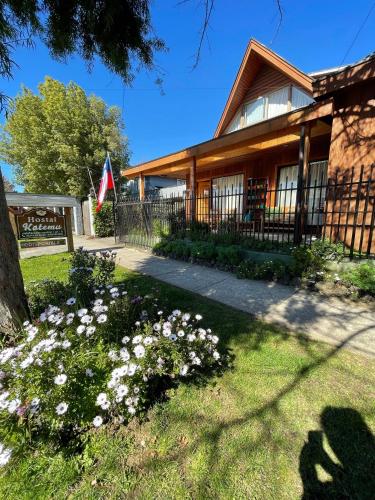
{"type": "Point", "coordinates": [77, 367]}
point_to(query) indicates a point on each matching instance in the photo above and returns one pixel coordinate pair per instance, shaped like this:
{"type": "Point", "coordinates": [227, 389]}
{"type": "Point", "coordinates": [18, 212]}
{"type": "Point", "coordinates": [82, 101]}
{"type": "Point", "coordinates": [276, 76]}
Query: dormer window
{"type": "Point", "coordinates": [273, 104]}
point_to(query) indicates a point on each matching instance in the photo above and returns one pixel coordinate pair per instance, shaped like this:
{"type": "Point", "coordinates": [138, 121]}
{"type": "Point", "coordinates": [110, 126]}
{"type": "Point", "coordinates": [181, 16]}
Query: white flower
{"type": "Point", "coordinates": [113, 355]}
{"type": "Point", "coordinates": [131, 410]}
{"type": "Point", "coordinates": [89, 372]}
{"type": "Point", "coordinates": [82, 312]}
{"type": "Point", "coordinates": [26, 323]}
{"type": "Point", "coordinates": [13, 405]}
{"type": "Point", "coordinates": [148, 340]}
{"type": "Point", "coordinates": [61, 408]}
{"type": "Point", "coordinates": [101, 398]}
{"type": "Point", "coordinates": [124, 354]}
{"type": "Point", "coordinates": [196, 361]}
{"type": "Point", "coordinates": [137, 339]}
{"type": "Point", "coordinates": [184, 369]}
{"type": "Point", "coordinates": [66, 344]}
{"type": "Point", "coordinates": [132, 368]}
{"type": "Point", "coordinates": [113, 290]}
{"type": "Point", "coordinates": [105, 405]}
{"type": "Point", "coordinates": [186, 317]}
{"type": "Point", "coordinates": [160, 313]}
{"type": "Point", "coordinates": [27, 362]}
{"type": "Point", "coordinates": [122, 390]}
{"type": "Point", "coordinates": [5, 454]}
{"type": "Point", "coordinates": [125, 339]}
{"type": "Point", "coordinates": [43, 317]}
{"type": "Point", "coordinates": [123, 370]}
{"type": "Point", "coordinates": [60, 379]}
{"type": "Point", "coordinates": [216, 355]}
{"type": "Point", "coordinates": [71, 301]}
{"type": "Point", "coordinates": [167, 332]}
{"type": "Point", "coordinates": [157, 327]}
{"type": "Point", "coordinates": [102, 318]}
{"type": "Point", "coordinates": [180, 333]}
{"type": "Point", "coordinates": [90, 330]}
{"type": "Point", "coordinates": [176, 312]}
{"type": "Point", "coordinates": [139, 351]}
{"type": "Point", "coordinates": [191, 337]}
{"type": "Point", "coordinates": [86, 319]}
{"type": "Point", "coordinates": [215, 339]}
{"type": "Point", "coordinates": [173, 337]}
{"type": "Point", "coordinates": [98, 420]}
{"type": "Point", "coordinates": [81, 329]}
{"type": "Point", "coordinates": [198, 317]}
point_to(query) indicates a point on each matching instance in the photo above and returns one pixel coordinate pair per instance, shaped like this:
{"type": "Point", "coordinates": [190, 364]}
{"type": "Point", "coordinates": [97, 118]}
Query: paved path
{"type": "Point", "coordinates": [329, 319]}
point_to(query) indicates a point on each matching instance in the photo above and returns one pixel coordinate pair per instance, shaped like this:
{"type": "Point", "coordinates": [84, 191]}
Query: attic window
{"type": "Point", "coordinates": [272, 104]}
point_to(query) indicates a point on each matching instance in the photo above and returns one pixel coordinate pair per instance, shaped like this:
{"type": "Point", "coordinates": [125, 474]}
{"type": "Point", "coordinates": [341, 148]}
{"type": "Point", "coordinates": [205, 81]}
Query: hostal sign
{"type": "Point", "coordinates": [40, 223]}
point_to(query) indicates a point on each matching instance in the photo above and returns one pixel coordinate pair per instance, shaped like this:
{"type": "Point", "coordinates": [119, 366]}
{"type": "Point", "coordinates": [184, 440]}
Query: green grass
{"type": "Point", "coordinates": [289, 408]}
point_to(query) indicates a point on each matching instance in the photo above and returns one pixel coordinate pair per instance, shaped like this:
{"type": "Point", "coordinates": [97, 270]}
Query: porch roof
{"type": "Point", "coordinates": [276, 131]}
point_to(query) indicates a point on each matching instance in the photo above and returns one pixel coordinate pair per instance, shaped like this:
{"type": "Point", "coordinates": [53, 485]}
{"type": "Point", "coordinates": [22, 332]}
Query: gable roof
{"type": "Point", "coordinates": [256, 54]}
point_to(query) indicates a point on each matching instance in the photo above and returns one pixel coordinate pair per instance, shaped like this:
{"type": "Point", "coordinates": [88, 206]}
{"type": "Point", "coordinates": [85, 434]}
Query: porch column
{"type": "Point", "coordinates": [141, 187]}
{"type": "Point", "coordinates": [193, 185]}
{"type": "Point", "coordinates": [303, 163]}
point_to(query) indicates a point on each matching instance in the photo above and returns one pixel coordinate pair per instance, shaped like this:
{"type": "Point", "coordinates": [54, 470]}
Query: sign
{"type": "Point", "coordinates": [40, 223]}
{"type": "Point", "coordinates": [41, 243]}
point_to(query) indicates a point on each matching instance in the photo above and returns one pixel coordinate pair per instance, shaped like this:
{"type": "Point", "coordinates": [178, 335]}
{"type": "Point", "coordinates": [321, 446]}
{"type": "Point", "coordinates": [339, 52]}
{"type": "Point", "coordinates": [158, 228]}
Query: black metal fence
{"type": "Point", "coordinates": [340, 209]}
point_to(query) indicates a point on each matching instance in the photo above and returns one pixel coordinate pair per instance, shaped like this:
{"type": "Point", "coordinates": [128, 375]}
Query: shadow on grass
{"type": "Point", "coordinates": [352, 471]}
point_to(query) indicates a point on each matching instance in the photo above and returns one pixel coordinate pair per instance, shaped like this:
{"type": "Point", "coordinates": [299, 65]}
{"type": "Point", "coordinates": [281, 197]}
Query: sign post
{"type": "Point", "coordinates": [42, 227]}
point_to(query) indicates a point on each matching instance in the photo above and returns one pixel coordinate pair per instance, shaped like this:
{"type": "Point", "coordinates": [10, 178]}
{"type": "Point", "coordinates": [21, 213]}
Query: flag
{"type": "Point", "coordinates": [107, 182]}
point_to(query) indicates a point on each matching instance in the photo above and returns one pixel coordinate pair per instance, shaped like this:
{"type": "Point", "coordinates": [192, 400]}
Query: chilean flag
{"type": "Point", "coordinates": [107, 182]}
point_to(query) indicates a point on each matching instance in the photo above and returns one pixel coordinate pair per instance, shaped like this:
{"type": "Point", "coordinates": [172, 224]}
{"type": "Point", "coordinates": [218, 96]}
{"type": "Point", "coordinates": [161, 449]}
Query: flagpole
{"type": "Point", "coordinates": [92, 184]}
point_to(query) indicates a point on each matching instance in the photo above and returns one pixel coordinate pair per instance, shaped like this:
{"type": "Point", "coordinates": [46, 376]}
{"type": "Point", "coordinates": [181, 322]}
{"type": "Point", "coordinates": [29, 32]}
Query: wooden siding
{"type": "Point", "coordinates": [267, 80]}
{"type": "Point", "coordinates": [353, 129]}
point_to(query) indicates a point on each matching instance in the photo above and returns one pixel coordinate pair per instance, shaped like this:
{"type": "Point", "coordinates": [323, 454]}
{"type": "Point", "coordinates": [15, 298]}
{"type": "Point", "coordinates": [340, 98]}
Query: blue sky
{"type": "Point", "coordinates": [313, 35]}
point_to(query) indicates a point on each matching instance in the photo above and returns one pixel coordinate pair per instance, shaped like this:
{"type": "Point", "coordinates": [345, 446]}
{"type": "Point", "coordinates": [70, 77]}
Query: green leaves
{"type": "Point", "coordinates": [53, 138]}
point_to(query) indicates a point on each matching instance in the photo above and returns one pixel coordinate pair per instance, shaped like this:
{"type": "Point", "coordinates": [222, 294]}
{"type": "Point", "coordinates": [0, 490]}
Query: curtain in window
{"type": "Point", "coordinates": [227, 196]}
{"type": "Point", "coordinates": [254, 111]}
{"type": "Point", "coordinates": [287, 187]}
{"type": "Point", "coordinates": [235, 124]}
{"type": "Point", "coordinates": [278, 102]}
{"type": "Point", "coordinates": [300, 99]}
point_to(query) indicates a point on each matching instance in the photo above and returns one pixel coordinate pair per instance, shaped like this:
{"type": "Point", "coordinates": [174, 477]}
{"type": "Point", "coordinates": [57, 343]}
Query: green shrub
{"type": "Point", "coordinates": [203, 251]}
{"type": "Point", "coordinates": [104, 220]}
{"type": "Point", "coordinates": [230, 255]}
{"type": "Point", "coordinates": [361, 276]}
{"type": "Point", "coordinates": [179, 249]}
{"type": "Point", "coordinates": [41, 293]}
{"type": "Point", "coordinates": [267, 270]}
{"type": "Point", "coordinates": [198, 231]}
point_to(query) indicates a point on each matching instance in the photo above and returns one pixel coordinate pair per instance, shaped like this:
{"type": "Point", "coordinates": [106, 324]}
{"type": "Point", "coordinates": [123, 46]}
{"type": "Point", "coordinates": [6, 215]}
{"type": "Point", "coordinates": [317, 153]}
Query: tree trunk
{"type": "Point", "coordinates": [13, 303]}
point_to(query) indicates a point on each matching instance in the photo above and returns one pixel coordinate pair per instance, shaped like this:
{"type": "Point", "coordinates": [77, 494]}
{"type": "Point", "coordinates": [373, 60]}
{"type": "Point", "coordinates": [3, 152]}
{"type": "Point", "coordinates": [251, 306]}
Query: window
{"type": "Point", "coordinates": [227, 195]}
{"type": "Point", "coordinates": [300, 99]}
{"type": "Point", "coordinates": [287, 187]}
{"type": "Point", "coordinates": [235, 124]}
{"type": "Point", "coordinates": [254, 111]}
{"type": "Point", "coordinates": [278, 102]}
{"type": "Point", "coordinates": [270, 105]}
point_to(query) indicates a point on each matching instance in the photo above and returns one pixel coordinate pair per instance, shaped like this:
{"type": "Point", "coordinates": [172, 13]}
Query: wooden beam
{"type": "Point", "coordinates": [303, 160]}
{"type": "Point", "coordinates": [68, 227]}
{"type": "Point", "coordinates": [141, 186]}
{"type": "Point", "coordinates": [193, 188]}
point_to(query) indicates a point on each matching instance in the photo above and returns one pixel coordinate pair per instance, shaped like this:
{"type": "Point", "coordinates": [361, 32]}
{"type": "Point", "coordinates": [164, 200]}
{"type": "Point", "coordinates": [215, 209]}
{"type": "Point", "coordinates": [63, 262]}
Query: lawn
{"type": "Point", "coordinates": [292, 415]}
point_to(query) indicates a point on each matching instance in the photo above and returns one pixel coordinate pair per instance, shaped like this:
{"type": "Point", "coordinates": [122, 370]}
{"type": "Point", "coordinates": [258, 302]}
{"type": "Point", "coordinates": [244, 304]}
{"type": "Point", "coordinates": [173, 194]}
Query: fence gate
{"type": "Point", "coordinates": [143, 223]}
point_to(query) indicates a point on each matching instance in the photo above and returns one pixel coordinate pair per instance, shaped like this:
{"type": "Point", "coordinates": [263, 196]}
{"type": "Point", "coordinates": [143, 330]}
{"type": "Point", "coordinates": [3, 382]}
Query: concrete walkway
{"type": "Point", "coordinates": [331, 320]}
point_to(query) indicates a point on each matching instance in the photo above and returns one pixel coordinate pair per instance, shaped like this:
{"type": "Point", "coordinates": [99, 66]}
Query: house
{"type": "Point", "coordinates": [155, 183]}
{"type": "Point", "coordinates": [281, 130]}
